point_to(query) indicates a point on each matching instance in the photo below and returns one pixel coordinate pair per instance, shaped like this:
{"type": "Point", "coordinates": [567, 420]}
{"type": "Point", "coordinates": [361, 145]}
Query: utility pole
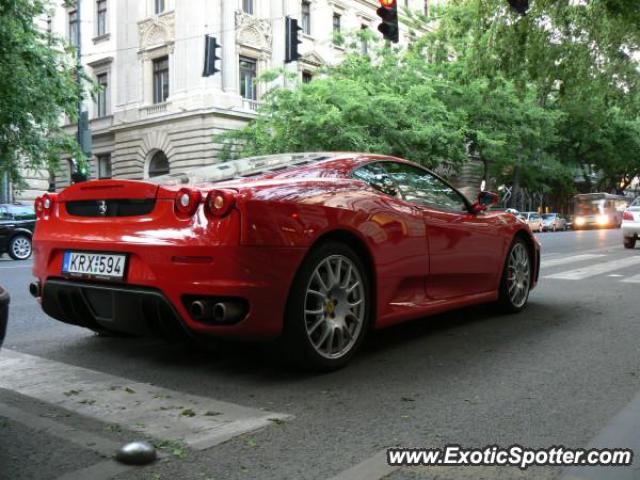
{"type": "Point", "coordinates": [84, 129]}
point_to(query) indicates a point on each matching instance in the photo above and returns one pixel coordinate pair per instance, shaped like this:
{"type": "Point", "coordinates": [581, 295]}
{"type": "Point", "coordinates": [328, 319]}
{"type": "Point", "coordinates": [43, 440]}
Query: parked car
{"type": "Point", "coordinates": [631, 224]}
{"type": "Point", "coordinates": [553, 222]}
{"type": "Point", "coordinates": [534, 220]}
{"type": "Point", "coordinates": [313, 249]}
{"type": "Point", "coordinates": [4, 313]}
{"type": "Point", "coordinates": [17, 223]}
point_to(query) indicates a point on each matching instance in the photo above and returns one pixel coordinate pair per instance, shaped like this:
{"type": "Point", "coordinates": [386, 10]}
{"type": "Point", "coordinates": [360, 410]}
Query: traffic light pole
{"type": "Point", "coordinates": [84, 129]}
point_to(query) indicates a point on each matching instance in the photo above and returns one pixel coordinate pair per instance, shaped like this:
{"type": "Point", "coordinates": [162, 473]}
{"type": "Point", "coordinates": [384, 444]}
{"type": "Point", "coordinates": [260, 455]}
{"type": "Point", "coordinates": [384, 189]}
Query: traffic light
{"type": "Point", "coordinates": [210, 56]}
{"type": "Point", "coordinates": [389, 28]}
{"type": "Point", "coordinates": [520, 6]}
{"type": "Point", "coordinates": [292, 40]}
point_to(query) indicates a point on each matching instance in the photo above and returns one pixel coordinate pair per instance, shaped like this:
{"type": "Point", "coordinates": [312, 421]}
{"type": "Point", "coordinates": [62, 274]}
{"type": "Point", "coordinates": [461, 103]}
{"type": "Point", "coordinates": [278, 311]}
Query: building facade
{"type": "Point", "coordinates": [155, 112]}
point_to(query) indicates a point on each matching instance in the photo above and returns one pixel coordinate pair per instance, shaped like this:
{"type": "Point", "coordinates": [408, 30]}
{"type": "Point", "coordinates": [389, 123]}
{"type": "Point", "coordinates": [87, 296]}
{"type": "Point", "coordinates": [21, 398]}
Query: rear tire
{"type": "Point", "coordinates": [515, 284]}
{"type": "Point", "coordinates": [629, 242]}
{"type": "Point", "coordinates": [329, 309]}
{"type": "Point", "coordinates": [20, 247]}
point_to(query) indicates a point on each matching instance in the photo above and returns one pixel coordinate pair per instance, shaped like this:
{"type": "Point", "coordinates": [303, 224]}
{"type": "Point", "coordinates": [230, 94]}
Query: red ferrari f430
{"type": "Point", "coordinates": [313, 249]}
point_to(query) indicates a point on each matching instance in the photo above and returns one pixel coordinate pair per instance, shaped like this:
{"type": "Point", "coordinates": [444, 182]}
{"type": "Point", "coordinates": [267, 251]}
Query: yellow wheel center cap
{"type": "Point", "coordinates": [330, 308]}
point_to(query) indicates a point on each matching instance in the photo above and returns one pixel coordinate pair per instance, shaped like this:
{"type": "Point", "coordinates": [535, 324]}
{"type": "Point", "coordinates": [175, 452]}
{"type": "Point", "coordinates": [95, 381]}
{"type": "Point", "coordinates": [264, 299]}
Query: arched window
{"type": "Point", "coordinates": [159, 165]}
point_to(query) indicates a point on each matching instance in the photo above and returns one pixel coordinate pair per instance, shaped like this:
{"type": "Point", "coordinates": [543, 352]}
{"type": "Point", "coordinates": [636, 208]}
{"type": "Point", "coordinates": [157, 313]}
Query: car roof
{"type": "Point", "coordinates": [338, 164]}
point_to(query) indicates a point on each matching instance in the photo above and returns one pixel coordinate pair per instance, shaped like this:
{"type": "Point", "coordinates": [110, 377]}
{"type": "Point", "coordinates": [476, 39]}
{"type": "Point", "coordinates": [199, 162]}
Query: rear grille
{"type": "Point", "coordinates": [110, 208]}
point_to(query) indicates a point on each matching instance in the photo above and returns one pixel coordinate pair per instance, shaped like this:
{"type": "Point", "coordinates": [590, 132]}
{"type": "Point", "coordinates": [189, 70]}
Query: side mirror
{"type": "Point", "coordinates": [384, 184]}
{"type": "Point", "coordinates": [485, 200]}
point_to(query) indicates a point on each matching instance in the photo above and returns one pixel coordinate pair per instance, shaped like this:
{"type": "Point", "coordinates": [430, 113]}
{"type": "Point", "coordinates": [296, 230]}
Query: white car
{"type": "Point", "coordinates": [631, 224]}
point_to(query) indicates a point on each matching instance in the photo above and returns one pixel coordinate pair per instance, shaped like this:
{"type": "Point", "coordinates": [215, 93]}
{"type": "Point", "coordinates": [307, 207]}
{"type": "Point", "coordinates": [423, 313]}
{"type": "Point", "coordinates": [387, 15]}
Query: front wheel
{"type": "Point", "coordinates": [516, 278]}
{"type": "Point", "coordinates": [629, 242]}
{"type": "Point", "coordinates": [328, 309]}
{"type": "Point", "coordinates": [20, 247]}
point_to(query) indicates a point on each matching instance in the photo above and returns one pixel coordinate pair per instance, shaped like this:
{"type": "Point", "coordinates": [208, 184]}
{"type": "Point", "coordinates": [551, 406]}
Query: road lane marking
{"type": "Point", "coordinates": [373, 468]}
{"type": "Point", "coordinates": [634, 279]}
{"type": "Point", "coordinates": [597, 269]}
{"type": "Point", "coordinates": [197, 421]}
{"type": "Point", "coordinates": [573, 259]}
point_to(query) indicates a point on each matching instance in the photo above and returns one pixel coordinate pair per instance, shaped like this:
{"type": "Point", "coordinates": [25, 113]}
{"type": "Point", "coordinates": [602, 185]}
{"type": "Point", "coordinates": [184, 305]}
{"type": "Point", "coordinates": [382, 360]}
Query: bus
{"type": "Point", "coordinates": [600, 210]}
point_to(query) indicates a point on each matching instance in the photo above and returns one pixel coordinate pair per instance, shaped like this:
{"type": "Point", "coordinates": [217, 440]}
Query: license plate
{"type": "Point", "coordinates": [104, 266]}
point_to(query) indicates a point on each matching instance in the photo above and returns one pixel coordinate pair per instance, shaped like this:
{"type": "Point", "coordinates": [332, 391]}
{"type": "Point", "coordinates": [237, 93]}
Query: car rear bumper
{"type": "Point", "coordinates": [162, 281]}
{"type": "Point", "coordinates": [631, 229]}
{"type": "Point", "coordinates": [126, 309]}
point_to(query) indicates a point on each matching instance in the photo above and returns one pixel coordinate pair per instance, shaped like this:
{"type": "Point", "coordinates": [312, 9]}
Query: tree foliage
{"type": "Point", "coordinates": [539, 97]}
{"type": "Point", "coordinates": [37, 87]}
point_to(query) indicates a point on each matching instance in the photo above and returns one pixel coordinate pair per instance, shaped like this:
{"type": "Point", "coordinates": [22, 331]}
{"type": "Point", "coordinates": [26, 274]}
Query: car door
{"type": "Point", "coordinates": [465, 249]}
{"type": "Point", "coordinates": [6, 227]}
{"type": "Point", "coordinates": [398, 230]}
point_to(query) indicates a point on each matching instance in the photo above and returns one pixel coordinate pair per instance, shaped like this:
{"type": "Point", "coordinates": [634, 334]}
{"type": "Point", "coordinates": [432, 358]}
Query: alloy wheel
{"type": "Point", "coordinates": [334, 307]}
{"type": "Point", "coordinates": [518, 275]}
{"type": "Point", "coordinates": [21, 248]}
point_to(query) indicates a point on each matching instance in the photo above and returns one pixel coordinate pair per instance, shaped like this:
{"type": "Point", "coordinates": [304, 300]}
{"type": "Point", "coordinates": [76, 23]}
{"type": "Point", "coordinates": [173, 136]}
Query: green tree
{"type": "Point", "coordinates": [396, 101]}
{"type": "Point", "coordinates": [37, 87]}
{"type": "Point", "coordinates": [575, 58]}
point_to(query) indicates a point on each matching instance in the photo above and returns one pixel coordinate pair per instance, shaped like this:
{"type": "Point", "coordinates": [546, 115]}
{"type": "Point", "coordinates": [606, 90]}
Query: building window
{"type": "Point", "coordinates": [247, 6]}
{"type": "Point", "coordinates": [364, 30]}
{"type": "Point", "coordinates": [70, 169]}
{"type": "Point", "coordinates": [101, 17]}
{"type": "Point", "coordinates": [306, 17]}
{"type": "Point", "coordinates": [337, 27]}
{"type": "Point", "coordinates": [160, 80]}
{"type": "Point", "coordinates": [248, 74]}
{"type": "Point", "coordinates": [159, 165]}
{"type": "Point", "coordinates": [159, 6]}
{"type": "Point", "coordinates": [73, 28]}
{"type": "Point", "coordinates": [102, 105]}
{"type": "Point", "coordinates": [104, 166]}
{"type": "Point", "coordinates": [307, 77]}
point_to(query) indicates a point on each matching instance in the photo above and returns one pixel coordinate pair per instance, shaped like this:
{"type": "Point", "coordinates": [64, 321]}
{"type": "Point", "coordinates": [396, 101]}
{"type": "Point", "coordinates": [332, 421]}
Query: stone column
{"type": "Point", "coordinates": [229, 58]}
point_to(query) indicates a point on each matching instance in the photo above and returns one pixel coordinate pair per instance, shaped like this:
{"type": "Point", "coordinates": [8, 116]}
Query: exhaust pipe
{"type": "Point", "coordinates": [200, 310]}
{"type": "Point", "coordinates": [34, 289]}
{"type": "Point", "coordinates": [227, 312]}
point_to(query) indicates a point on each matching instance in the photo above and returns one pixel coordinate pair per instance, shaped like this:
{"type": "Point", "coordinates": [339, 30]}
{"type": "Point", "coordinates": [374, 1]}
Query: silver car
{"type": "Point", "coordinates": [553, 222]}
{"type": "Point", "coordinates": [534, 220]}
{"type": "Point", "coordinates": [631, 224]}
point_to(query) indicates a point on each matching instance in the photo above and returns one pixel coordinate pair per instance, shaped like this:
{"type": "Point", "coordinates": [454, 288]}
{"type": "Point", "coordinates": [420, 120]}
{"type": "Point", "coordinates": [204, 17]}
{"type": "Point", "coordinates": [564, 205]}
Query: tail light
{"type": "Point", "coordinates": [627, 215]}
{"type": "Point", "coordinates": [219, 202]}
{"type": "Point", "coordinates": [187, 202]}
{"type": "Point", "coordinates": [38, 206]}
{"type": "Point", "coordinates": [44, 205]}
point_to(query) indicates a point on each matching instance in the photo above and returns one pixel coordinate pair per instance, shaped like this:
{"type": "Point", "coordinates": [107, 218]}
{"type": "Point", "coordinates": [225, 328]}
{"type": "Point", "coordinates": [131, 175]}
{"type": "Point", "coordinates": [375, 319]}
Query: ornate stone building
{"type": "Point", "coordinates": [156, 112]}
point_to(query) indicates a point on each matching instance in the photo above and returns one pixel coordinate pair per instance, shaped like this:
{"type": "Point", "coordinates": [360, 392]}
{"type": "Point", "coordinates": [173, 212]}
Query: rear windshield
{"type": "Point", "coordinates": [549, 216]}
{"type": "Point", "coordinates": [245, 167]}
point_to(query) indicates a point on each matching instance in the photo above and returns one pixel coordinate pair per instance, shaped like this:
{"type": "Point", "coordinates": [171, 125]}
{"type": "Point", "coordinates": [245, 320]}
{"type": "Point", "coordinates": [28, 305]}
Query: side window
{"type": "Point", "coordinates": [418, 186]}
{"type": "Point", "coordinates": [369, 172]}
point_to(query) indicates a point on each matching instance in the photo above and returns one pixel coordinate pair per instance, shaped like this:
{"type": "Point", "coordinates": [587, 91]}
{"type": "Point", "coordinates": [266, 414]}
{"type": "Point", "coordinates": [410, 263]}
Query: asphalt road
{"type": "Point", "coordinates": [556, 374]}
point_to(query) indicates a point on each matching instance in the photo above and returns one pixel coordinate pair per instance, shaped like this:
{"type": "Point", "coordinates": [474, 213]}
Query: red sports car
{"type": "Point", "coordinates": [314, 249]}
